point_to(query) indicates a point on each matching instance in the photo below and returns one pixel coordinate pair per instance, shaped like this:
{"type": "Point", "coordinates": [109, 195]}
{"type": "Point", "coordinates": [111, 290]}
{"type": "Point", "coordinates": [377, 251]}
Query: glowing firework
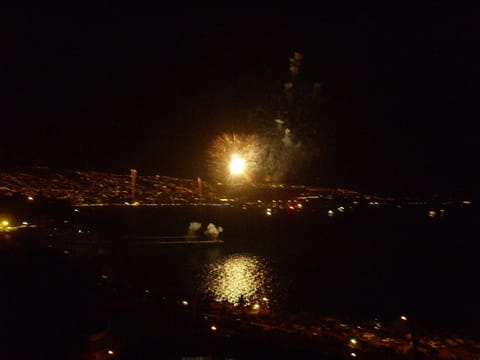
{"type": "Point", "coordinates": [237, 165]}
{"type": "Point", "coordinates": [235, 155]}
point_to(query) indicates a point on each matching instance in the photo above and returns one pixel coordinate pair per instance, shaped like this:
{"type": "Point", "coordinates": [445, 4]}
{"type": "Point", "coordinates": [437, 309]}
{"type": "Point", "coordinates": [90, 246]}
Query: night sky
{"type": "Point", "coordinates": [117, 88]}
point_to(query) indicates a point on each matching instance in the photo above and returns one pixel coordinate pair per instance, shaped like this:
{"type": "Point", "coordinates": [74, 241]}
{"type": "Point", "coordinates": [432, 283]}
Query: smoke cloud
{"type": "Point", "coordinates": [212, 231]}
{"type": "Point", "coordinates": [287, 138]}
{"type": "Point", "coordinates": [193, 228]}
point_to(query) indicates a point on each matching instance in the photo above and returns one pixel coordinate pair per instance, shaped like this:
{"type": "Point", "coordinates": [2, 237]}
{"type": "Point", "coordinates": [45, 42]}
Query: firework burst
{"type": "Point", "coordinates": [235, 157]}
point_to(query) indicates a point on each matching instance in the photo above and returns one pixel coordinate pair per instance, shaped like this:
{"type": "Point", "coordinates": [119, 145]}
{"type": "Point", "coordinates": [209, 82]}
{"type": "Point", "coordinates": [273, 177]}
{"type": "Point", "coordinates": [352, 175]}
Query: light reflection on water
{"type": "Point", "coordinates": [237, 275]}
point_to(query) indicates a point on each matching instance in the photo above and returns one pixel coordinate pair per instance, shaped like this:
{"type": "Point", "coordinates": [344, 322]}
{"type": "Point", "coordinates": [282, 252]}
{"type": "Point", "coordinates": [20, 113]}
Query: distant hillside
{"type": "Point", "coordinates": [91, 187]}
{"type": "Point", "coordinates": [101, 188]}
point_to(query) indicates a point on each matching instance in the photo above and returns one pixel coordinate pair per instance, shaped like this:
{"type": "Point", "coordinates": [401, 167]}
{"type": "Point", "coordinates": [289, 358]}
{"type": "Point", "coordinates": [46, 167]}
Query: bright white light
{"type": "Point", "coordinates": [213, 328]}
{"type": "Point", "coordinates": [236, 155]}
{"type": "Point", "coordinates": [237, 165]}
{"type": "Point", "coordinates": [110, 352]}
{"type": "Point", "coordinates": [353, 341]}
{"type": "Point", "coordinates": [403, 317]}
{"type": "Point", "coordinates": [184, 302]}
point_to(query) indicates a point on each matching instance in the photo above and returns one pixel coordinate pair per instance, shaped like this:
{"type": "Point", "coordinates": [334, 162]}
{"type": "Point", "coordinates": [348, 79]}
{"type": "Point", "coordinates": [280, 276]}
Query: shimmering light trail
{"type": "Point", "coordinates": [236, 276]}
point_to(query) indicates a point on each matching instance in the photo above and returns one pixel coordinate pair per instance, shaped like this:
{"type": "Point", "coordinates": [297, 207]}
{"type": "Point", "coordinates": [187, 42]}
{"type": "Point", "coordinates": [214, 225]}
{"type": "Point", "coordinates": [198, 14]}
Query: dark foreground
{"type": "Point", "coordinates": [58, 306]}
{"type": "Point", "coordinates": [58, 303]}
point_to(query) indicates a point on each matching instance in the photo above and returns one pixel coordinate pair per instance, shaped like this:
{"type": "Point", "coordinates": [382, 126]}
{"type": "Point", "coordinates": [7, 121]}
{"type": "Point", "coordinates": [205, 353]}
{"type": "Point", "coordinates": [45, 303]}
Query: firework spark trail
{"type": "Point", "coordinates": [239, 146]}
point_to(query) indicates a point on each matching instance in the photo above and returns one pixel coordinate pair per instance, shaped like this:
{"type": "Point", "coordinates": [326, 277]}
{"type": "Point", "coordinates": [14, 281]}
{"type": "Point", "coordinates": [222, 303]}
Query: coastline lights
{"type": "Point", "coordinates": [237, 165]}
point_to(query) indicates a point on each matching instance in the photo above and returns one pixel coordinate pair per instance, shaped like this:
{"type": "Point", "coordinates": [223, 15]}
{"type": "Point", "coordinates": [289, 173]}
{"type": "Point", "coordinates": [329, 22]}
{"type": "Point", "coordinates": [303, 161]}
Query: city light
{"type": "Point", "coordinates": [403, 317]}
{"type": "Point", "coordinates": [213, 328]}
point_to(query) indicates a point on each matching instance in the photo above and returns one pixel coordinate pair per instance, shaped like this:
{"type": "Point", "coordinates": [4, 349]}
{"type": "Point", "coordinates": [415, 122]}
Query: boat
{"type": "Point", "coordinates": [172, 240]}
{"type": "Point", "coordinates": [211, 237]}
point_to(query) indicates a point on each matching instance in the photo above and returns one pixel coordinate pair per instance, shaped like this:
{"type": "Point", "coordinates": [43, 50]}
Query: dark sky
{"type": "Point", "coordinates": [116, 88]}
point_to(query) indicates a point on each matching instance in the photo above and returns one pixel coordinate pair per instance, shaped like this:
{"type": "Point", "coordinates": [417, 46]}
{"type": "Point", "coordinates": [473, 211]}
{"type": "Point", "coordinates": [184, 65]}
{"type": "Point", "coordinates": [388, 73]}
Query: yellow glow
{"type": "Point", "coordinates": [30, 198]}
{"type": "Point", "coordinates": [110, 352]}
{"type": "Point", "coordinates": [239, 278]}
{"type": "Point", "coordinates": [256, 307]}
{"type": "Point", "coordinates": [353, 341]}
{"type": "Point", "coordinates": [353, 354]}
{"type": "Point", "coordinates": [5, 223]}
{"type": "Point", "coordinates": [184, 302]}
{"type": "Point", "coordinates": [213, 328]}
{"type": "Point", "coordinates": [403, 317]}
{"type": "Point", "coordinates": [237, 165]}
{"type": "Point", "coordinates": [236, 155]}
